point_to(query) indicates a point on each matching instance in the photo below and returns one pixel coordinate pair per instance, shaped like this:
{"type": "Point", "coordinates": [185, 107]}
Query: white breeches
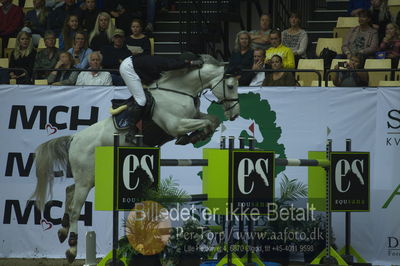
{"type": "Point", "coordinates": [132, 81]}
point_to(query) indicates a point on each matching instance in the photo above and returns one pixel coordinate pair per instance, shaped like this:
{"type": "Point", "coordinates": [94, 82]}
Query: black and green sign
{"type": "Point", "coordinates": [349, 182]}
{"type": "Point", "coordinates": [138, 170]}
{"type": "Point", "coordinates": [253, 180]}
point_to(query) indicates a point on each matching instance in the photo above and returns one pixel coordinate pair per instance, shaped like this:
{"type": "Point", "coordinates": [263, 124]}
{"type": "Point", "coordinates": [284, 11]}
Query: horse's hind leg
{"type": "Point", "coordinates": [63, 231]}
{"type": "Point", "coordinates": [79, 198]}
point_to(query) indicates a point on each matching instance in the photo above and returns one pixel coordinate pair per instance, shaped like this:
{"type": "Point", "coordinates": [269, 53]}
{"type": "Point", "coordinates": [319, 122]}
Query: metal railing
{"type": "Point", "coordinates": [294, 71]}
{"type": "Point", "coordinates": [391, 70]}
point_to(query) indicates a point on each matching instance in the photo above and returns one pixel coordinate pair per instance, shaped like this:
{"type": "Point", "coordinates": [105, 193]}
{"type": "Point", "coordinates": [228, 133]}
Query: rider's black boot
{"type": "Point", "coordinates": [136, 112]}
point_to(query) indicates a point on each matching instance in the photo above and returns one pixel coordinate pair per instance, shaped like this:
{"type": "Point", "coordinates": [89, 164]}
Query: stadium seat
{"type": "Point", "coordinates": [10, 47]}
{"type": "Point", "coordinates": [41, 44]}
{"type": "Point", "coordinates": [375, 77]}
{"type": "Point", "coordinates": [315, 64]}
{"type": "Point", "coordinates": [314, 83]}
{"type": "Point", "coordinates": [343, 25]}
{"type": "Point", "coordinates": [334, 44]}
{"type": "Point", "coordinates": [394, 7]}
{"type": "Point", "coordinates": [389, 83]}
{"type": "Point", "coordinates": [41, 82]}
{"type": "Point", "coordinates": [28, 6]}
{"type": "Point", "coordinates": [4, 62]}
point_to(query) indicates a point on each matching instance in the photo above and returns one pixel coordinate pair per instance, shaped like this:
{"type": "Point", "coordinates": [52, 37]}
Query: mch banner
{"type": "Point", "coordinates": [289, 122]}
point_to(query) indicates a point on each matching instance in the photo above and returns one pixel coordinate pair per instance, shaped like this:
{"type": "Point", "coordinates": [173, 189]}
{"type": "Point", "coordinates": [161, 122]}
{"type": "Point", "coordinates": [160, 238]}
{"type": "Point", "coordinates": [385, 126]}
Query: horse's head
{"type": "Point", "coordinates": [226, 90]}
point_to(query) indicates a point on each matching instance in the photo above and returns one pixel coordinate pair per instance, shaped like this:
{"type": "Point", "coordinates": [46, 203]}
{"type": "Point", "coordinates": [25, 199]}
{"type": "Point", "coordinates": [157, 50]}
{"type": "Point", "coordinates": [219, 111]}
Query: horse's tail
{"type": "Point", "coordinates": [48, 154]}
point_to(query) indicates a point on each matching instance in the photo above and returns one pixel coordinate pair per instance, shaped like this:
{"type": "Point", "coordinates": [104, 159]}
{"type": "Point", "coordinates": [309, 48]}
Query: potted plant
{"type": "Point", "coordinates": [188, 245]}
{"type": "Point", "coordinates": [143, 243]}
{"type": "Point", "coordinates": [275, 248]}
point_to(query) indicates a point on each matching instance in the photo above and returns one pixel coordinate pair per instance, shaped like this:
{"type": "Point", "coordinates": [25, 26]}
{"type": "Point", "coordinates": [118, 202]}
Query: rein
{"type": "Point", "coordinates": [224, 99]}
{"type": "Point", "coordinates": [196, 98]}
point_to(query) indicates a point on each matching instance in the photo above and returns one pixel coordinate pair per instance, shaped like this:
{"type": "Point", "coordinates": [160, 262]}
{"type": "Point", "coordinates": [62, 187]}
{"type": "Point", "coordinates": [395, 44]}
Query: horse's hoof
{"type": "Point", "coordinates": [70, 256]}
{"type": "Point", "coordinates": [182, 140]}
{"type": "Point", "coordinates": [73, 239]}
{"type": "Point", "coordinates": [62, 234]}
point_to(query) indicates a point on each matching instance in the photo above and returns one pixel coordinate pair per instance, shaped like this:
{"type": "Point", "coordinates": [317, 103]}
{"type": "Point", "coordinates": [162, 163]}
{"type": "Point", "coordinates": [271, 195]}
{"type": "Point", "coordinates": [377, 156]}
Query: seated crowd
{"type": "Point", "coordinates": [376, 37]}
{"type": "Point", "coordinates": [77, 35]}
{"type": "Point", "coordinates": [88, 39]}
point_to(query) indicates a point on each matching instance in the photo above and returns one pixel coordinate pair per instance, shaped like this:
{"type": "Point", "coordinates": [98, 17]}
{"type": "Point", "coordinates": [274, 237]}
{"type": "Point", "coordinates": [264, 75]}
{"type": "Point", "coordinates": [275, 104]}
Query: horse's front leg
{"type": "Point", "coordinates": [213, 126]}
{"type": "Point", "coordinates": [80, 195]}
{"type": "Point", "coordinates": [63, 231]}
{"type": "Point", "coordinates": [202, 132]}
{"type": "Point", "coordinates": [187, 125]}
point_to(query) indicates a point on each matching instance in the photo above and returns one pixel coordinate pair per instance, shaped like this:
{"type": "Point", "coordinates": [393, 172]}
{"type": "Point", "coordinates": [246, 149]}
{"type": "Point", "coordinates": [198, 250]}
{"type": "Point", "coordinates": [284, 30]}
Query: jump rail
{"type": "Point", "coordinates": [278, 162]}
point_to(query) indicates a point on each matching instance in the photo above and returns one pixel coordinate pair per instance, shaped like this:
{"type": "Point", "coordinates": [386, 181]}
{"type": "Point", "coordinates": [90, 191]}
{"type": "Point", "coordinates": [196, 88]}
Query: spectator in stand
{"type": "Point", "coordinates": [23, 56]}
{"type": "Point", "coordinates": [11, 20]}
{"type": "Point", "coordinates": [47, 58]}
{"type": "Point", "coordinates": [63, 77]}
{"type": "Point", "coordinates": [279, 49]}
{"type": "Point", "coordinates": [70, 28]}
{"type": "Point", "coordinates": [56, 18]}
{"type": "Point", "coordinates": [258, 64]}
{"type": "Point", "coordinates": [89, 15]}
{"type": "Point", "coordinates": [242, 57]}
{"type": "Point", "coordinates": [36, 20]}
{"type": "Point", "coordinates": [113, 55]}
{"type": "Point", "coordinates": [124, 11]}
{"type": "Point", "coordinates": [295, 38]}
{"type": "Point", "coordinates": [362, 39]}
{"type": "Point", "coordinates": [80, 51]}
{"type": "Point", "coordinates": [351, 79]}
{"type": "Point", "coordinates": [260, 38]}
{"type": "Point", "coordinates": [278, 78]}
{"type": "Point", "coordinates": [390, 44]}
{"type": "Point", "coordinates": [355, 6]}
{"type": "Point", "coordinates": [137, 42]}
{"type": "Point", "coordinates": [380, 17]}
{"type": "Point", "coordinates": [96, 78]}
{"type": "Point", "coordinates": [102, 33]}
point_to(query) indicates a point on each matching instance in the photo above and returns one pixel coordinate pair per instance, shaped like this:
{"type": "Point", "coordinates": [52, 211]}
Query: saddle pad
{"type": "Point", "coordinates": [121, 120]}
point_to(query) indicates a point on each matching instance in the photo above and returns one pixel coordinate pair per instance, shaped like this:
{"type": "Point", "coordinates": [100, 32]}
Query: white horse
{"type": "Point", "coordinates": [175, 112]}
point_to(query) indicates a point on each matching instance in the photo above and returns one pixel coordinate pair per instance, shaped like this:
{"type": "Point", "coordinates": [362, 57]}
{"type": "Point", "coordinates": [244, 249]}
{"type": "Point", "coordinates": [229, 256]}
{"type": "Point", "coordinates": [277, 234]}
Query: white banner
{"type": "Point", "coordinates": [291, 121]}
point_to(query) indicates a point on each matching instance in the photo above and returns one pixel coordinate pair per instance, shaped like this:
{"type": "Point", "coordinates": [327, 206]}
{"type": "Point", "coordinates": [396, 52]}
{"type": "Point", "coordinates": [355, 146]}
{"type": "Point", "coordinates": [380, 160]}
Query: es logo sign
{"type": "Point", "coordinates": [253, 179]}
{"type": "Point", "coordinates": [349, 183]}
{"type": "Point", "coordinates": [138, 170]}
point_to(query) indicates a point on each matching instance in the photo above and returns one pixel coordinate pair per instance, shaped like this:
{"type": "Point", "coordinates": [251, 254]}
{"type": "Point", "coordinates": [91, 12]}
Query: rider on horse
{"type": "Point", "coordinates": [145, 69]}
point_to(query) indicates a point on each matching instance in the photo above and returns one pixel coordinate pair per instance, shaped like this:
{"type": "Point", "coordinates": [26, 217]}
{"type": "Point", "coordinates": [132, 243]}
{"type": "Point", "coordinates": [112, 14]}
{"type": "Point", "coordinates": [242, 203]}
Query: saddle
{"type": "Point", "coordinates": [120, 114]}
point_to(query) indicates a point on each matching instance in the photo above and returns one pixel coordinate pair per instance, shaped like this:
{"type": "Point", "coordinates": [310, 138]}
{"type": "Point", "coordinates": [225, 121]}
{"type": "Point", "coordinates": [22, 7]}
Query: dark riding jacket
{"type": "Point", "coordinates": [149, 67]}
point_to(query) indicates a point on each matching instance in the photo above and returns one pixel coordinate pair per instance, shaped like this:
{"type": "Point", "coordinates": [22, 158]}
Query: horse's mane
{"type": "Point", "coordinates": [207, 59]}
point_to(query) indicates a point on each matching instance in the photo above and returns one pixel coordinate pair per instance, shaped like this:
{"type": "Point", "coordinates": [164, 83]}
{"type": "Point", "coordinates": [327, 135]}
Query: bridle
{"type": "Point", "coordinates": [196, 98]}
{"type": "Point", "coordinates": [224, 98]}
